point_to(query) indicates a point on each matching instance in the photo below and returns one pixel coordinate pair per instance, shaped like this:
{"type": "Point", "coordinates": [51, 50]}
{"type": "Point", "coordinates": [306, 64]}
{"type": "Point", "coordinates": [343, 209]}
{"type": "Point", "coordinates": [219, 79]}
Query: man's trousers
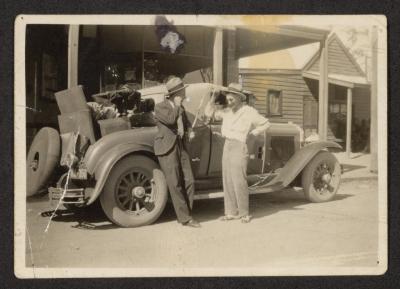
{"type": "Point", "coordinates": [178, 173]}
{"type": "Point", "coordinates": [234, 175]}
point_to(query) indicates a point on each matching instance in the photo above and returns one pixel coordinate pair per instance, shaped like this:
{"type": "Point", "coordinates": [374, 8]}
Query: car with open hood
{"type": "Point", "coordinates": [103, 150]}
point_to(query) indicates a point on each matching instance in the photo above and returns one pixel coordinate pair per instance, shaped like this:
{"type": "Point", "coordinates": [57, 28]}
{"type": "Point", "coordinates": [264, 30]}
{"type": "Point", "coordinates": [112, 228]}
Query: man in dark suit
{"type": "Point", "coordinates": [169, 146]}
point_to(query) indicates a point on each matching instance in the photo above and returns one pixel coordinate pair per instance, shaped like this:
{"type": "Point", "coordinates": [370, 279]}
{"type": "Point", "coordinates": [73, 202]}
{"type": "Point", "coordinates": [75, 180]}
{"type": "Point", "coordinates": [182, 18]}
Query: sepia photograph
{"type": "Point", "coordinates": [200, 145]}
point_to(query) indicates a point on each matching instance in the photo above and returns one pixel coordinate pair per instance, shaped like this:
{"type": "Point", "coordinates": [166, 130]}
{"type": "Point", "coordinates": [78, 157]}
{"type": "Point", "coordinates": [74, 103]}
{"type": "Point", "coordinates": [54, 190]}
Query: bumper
{"type": "Point", "coordinates": [68, 196]}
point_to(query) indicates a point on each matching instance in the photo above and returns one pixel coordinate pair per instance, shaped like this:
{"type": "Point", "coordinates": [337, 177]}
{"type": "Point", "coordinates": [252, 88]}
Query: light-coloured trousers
{"type": "Point", "coordinates": [234, 166]}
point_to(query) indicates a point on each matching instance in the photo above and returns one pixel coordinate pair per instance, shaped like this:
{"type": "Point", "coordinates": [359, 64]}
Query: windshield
{"type": "Point", "coordinates": [197, 97]}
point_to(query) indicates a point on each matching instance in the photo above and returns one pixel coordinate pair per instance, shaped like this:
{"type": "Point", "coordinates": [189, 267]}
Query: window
{"type": "Point", "coordinates": [274, 100]}
{"type": "Point", "coordinates": [335, 108]}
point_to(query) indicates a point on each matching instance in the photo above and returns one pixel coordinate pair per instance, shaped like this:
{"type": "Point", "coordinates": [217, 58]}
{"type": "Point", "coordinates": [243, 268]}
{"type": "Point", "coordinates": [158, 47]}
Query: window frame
{"type": "Point", "coordinates": [280, 113]}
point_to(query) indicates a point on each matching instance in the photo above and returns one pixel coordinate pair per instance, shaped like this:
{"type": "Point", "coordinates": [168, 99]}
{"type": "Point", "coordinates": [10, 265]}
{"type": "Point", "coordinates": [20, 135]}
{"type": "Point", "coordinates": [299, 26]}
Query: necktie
{"type": "Point", "coordinates": [181, 129]}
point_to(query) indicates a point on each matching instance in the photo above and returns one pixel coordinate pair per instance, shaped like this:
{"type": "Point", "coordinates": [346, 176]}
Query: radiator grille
{"type": "Point", "coordinates": [282, 149]}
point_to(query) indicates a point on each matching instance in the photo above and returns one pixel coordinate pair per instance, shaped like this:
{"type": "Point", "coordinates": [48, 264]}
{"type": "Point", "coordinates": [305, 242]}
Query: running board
{"type": "Point", "coordinates": [214, 194]}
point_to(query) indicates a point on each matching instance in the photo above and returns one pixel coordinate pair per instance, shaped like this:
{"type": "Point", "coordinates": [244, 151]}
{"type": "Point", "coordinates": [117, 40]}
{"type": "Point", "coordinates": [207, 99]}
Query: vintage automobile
{"type": "Point", "coordinates": [113, 159]}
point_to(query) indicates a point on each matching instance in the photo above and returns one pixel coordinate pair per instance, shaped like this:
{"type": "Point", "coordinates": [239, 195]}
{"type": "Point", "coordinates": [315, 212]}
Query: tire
{"type": "Point", "coordinates": [321, 178]}
{"type": "Point", "coordinates": [42, 159]}
{"type": "Point", "coordinates": [123, 200]}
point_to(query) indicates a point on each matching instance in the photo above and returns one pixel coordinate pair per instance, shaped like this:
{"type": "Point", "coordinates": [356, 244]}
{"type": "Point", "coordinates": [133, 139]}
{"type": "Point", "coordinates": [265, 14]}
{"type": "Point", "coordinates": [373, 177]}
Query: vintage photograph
{"type": "Point", "coordinates": [199, 145]}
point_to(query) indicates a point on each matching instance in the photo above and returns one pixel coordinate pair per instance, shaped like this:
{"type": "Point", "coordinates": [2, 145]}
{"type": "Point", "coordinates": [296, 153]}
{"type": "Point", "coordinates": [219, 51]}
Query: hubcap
{"type": "Point", "coordinates": [138, 192]}
{"type": "Point", "coordinates": [326, 178]}
{"type": "Point", "coordinates": [35, 162]}
{"type": "Point", "coordinates": [323, 176]}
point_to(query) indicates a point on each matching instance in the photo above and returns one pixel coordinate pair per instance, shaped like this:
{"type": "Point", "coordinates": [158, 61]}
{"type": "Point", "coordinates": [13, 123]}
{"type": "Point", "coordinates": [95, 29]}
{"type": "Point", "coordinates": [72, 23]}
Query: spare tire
{"type": "Point", "coordinates": [43, 156]}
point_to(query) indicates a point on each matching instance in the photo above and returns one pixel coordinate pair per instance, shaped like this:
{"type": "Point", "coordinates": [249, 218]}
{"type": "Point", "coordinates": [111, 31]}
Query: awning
{"type": "Point", "coordinates": [339, 79]}
{"type": "Point", "coordinates": [253, 40]}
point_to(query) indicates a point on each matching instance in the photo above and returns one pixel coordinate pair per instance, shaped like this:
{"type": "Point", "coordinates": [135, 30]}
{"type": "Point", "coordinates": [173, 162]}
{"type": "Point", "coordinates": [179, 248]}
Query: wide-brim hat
{"type": "Point", "coordinates": [174, 85]}
{"type": "Point", "coordinates": [236, 89]}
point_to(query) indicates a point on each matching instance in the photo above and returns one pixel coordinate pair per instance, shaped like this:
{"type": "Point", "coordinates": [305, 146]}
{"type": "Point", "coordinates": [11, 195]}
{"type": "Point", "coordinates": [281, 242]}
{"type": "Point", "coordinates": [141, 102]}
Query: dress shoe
{"type": "Point", "coordinates": [192, 223]}
{"type": "Point", "coordinates": [246, 219]}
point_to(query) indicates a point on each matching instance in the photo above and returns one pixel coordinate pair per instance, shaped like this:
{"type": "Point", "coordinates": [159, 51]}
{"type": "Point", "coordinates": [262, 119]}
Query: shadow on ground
{"type": "Point", "coordinates": [261, 205]}
{"type": "Point", "coordinates": [91, 217]}
{"type": "Point", "coordinates": [348, 168]}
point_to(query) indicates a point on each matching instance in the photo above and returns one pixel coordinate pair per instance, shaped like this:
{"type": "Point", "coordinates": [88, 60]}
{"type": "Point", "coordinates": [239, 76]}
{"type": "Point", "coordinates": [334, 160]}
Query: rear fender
{"type": "Point", "coordinates": [107, 162]}
{"type": "Point", "coordinates": [298, 162]}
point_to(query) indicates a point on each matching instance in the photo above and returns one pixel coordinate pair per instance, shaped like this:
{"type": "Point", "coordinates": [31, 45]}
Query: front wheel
{"type": "Point", "coordinates": [321, 177]}
{"type": "Point", "coordinates": [135, 192]}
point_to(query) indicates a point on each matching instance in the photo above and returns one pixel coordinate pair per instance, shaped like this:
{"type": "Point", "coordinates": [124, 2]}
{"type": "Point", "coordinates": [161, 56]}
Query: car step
{"type": "Point", "coordinates": [214, 194]}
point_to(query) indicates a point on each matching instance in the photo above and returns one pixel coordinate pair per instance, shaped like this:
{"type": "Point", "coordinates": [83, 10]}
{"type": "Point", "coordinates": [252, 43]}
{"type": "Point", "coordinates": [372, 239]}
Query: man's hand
{"type": "Point", "coordinates": [191, 135]}
{"type": "Point", "coordinates": [178, 100]}
{"type": "Point", "coordinates": [253, 133]}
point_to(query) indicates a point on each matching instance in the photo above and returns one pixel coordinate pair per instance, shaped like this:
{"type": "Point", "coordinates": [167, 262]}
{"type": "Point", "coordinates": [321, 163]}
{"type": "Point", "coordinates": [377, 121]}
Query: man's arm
{"type": "Point", "coordinates": [165, 115]}
{"type": "Point", "coordinates": [261, 123]}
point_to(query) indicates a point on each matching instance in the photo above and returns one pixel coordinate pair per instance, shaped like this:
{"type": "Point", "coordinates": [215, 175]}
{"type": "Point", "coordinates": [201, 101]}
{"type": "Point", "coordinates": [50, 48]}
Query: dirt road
{"type": "Point", "coordinates": [286, 230]}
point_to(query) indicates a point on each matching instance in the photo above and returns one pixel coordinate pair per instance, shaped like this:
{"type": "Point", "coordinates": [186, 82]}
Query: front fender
{"type": "Point", "coordinates": [107, 162]}
{"type": "Point", "coordinates": [297, 163]}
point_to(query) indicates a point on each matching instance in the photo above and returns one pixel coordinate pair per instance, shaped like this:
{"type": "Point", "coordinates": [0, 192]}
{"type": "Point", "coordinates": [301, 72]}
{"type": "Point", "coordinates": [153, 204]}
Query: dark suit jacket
{"type": "Point", "coordinates": [166, 118]}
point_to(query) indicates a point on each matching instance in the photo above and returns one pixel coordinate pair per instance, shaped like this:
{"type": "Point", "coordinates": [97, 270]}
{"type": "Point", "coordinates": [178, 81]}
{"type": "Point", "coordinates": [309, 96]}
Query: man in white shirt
{"type": "Point", "coordinates": [238, 122]}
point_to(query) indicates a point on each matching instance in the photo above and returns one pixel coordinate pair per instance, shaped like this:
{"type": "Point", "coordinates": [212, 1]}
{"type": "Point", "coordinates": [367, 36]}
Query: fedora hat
{"type": "Point", "coordinates": [236, 89]}
{"type": "Point", "coordinates": [174, 85]}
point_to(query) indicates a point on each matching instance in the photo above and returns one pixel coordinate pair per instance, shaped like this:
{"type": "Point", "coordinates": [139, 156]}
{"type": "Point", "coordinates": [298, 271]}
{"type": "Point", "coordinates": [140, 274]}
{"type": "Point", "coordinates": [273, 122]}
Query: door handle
{"type": "Point", "coordinates": [196, 159]}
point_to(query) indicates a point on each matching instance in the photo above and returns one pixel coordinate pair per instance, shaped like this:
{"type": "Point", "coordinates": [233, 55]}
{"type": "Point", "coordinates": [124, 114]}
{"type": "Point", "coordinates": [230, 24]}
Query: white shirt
{"type": "Point", "coordinates": [237, 125]}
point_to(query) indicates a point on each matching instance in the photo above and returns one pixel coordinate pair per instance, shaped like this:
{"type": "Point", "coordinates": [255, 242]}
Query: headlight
{"type": "Point", "coordinates": [312, 138]}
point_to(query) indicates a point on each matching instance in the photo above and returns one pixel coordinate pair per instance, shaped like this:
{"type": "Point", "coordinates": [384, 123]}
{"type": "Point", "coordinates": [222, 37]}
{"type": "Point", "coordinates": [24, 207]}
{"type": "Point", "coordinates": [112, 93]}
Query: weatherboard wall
{"type": "Point", "coordinates": [293, 89]}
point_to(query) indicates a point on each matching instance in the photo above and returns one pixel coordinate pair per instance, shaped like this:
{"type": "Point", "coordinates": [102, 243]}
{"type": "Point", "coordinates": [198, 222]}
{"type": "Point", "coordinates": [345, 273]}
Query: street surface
{"type": "Point", "coordinates": [286, 231]}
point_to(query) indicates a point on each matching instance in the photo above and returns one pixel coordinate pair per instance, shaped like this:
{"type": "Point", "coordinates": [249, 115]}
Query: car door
{"type": "Point", "coordinates": [216, 150]}
{"type": "Point", "coordinates": [197, 96]}
{"type": "Point", "coordinates": [199, 151]}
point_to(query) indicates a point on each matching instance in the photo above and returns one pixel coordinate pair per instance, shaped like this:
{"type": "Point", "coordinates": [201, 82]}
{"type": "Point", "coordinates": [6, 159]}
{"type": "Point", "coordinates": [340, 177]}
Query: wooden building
{"type": "Point", "coordinates": [292, 95]}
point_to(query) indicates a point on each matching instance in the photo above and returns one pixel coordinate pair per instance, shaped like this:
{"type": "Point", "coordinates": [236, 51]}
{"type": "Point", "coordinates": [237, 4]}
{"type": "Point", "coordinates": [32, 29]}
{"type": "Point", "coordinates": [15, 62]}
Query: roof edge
{"type": "Point", "coordinates": [333, 80]}
{"type": "Point", "coordinates": [332, 37]}
{"type": "Point", "coordinates": [269, 71]}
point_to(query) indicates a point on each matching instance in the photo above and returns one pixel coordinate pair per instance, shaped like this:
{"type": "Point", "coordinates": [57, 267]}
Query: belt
{"type": "Point", "coordinates": [234, 140]}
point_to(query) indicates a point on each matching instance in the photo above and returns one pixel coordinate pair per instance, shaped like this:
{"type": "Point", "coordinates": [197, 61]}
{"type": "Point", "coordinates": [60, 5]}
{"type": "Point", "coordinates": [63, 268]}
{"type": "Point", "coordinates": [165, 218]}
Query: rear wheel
{"type": "Point", "coordinates": [43, 157]}
{"type": "Point", "coordinates": [135, 192]}
{"type": "Point", "coordinates": [321, 177]}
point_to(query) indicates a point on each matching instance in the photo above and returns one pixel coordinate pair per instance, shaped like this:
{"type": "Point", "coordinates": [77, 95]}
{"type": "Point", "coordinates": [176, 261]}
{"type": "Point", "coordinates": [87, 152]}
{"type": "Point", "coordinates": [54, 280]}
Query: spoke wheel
{"type": "Point", "coordinates": [135, 192]}
{"type": "Point", "coordinates": [321, 178]}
